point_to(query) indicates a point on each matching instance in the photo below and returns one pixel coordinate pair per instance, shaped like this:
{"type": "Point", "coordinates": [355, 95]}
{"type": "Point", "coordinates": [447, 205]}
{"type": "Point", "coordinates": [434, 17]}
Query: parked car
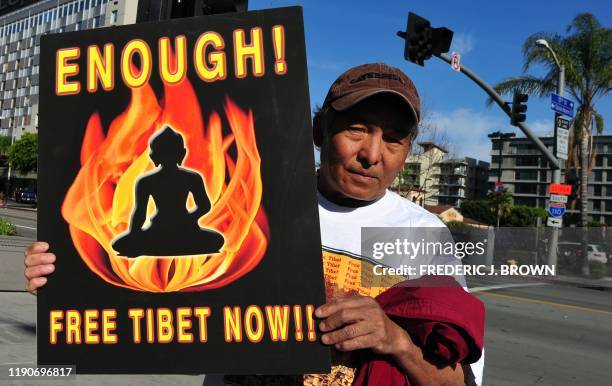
{"type": "Point", "coordinates": [607, 249]}
{"type": "Point", "coordinates": [25, 196]}
{"type": "Point", "coordinates": [573, 249]}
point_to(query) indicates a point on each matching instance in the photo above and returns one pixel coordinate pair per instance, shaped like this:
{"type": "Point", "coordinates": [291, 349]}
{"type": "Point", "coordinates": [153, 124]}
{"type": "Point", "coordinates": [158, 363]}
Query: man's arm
{"type": "Point", "coordinates": [358, 322]}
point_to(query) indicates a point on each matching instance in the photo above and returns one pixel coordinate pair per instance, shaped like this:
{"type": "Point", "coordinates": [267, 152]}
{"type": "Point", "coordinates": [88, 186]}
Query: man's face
{"type": "Point", "coordinates": [365, 148]}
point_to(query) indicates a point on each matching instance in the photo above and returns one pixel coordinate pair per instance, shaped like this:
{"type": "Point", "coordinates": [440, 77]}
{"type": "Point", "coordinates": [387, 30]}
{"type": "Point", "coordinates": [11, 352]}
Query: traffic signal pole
{"type": "Point", "coordinates": [424, 41]}
{"type": "Point", "coordinates": [554, 162]}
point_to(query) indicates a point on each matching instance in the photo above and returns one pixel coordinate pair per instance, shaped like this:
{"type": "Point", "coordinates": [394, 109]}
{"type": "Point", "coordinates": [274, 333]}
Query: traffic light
{"type": "Point", "coordinates": [518, 108]}
{"type": "Point", "coordinates": [423, 41]}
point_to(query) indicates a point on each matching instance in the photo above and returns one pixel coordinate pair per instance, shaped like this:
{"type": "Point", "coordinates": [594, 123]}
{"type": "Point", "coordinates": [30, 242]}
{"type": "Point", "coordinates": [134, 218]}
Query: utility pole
{"type": "Point", "coordinates": [501, 137]}
{"type": "Point", "coordinates": [556, 172]}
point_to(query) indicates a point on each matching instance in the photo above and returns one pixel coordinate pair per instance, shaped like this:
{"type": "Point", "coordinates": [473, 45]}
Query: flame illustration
{"type": "Point", "coordinates": [99, 203]}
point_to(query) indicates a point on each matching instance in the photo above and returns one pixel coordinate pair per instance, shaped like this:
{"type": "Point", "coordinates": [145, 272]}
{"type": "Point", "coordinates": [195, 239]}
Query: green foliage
{"type": "Point", "coordinates": [458, 225]}
{"type": "Point", "coordinates": [479, 210]}
{"type": "Point", "coordinates": [592, 223]}
{"type": "Point", "coordinates": [6, 228]}
{"type": "Point", "coordinates": [5, 143]}
{"type": "Point", "coordinates": [523, 216]}
{"type": "Point", "coordinates": [510, 215]}
{"type": "Point", "coordinates": [23, 153]}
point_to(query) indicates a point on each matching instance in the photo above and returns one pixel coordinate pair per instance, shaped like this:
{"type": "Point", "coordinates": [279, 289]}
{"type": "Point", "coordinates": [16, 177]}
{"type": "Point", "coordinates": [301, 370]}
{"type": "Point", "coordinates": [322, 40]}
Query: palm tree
{"type": "Point", "coordinates": [586, 53]}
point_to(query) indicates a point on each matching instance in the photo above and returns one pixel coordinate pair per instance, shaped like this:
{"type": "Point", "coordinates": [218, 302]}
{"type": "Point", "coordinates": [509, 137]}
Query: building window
{"type": "Point", "coordinates": [527, 161]}
{"type": "Point", "coordinates": [96, 22]}
{"type": "Point", "coordinates": [529, 175]}
{"type": "Point", "coordinates": [597, 191]}
{"type": "Point", "coordinates": [599, 160]}
{"type": "Point", "coordinates": [597, 175]}
{"type": "Point", "coordinates": [113, 19]}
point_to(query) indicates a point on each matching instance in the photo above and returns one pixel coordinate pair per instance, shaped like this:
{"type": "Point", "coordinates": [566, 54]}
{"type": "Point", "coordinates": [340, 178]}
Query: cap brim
{"type": "Point", "coordinates": [347, 101]}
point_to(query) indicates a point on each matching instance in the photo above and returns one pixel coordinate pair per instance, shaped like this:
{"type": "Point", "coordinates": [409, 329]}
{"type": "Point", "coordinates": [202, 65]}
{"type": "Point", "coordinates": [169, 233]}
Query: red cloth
{"type": "Point", "coordinates": [445, 321]}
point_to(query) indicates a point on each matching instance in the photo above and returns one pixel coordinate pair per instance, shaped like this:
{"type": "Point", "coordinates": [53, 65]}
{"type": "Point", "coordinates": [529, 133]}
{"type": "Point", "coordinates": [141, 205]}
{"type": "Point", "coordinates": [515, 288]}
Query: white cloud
{"type": "Point", "coordinates": [467, 130]}
{"type": "Point", "coordinates": [542, 127]}
{"type": "Point", "coordinates": [462, 43]}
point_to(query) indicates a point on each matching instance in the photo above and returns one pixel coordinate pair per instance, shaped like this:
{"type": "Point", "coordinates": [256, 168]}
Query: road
{"type": "Point", "coordinates": [547, 334]}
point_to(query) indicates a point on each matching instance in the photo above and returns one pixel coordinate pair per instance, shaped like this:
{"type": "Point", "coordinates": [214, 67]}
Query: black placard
{"type": "Point", "coordinates": [215, 249]}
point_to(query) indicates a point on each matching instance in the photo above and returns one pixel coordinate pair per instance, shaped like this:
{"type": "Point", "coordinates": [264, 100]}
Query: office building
{"type": "Point", "coordinates": [20, 31]}
{"type": "Point", "coordinates": [526, 174]}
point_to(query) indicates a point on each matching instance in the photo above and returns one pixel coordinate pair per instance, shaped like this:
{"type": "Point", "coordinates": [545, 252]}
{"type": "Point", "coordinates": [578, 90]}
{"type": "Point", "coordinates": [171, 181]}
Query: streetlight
{"type": "Point", "coordinates": [561, 82]}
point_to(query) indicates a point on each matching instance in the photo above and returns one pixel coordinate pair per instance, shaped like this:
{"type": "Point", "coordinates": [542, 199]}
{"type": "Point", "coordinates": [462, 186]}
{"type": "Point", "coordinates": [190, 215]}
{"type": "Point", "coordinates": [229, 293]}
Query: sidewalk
{"type": "Point", "coordinates": [12, 250]}
{"type": "Point", "coordinates": [18, 348]}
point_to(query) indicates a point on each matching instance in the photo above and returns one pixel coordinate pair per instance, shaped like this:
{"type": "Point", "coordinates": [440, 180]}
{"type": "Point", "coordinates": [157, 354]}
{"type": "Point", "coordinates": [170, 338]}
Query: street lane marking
{"type": "Point", "coordinates": [529, 300]}
{"type": "Point", "coordinates": [23, 226]}
{"type": "Point", "coordinates": [504, 286]}
{"type": "Point", "coordinates": [16, 363]}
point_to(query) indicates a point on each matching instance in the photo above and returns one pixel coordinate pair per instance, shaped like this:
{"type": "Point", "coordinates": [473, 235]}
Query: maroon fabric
{"type": "Point", "coordinates": [445, 321]}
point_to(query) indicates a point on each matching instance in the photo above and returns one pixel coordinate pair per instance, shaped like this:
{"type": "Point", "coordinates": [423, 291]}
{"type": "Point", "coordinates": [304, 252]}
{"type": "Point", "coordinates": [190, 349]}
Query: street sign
{"type": "Point", "coordinates": [560, 189]}
{"type": "Point", "coordinates": [556, 209]}
{"type": "Point", "coordinates": [499, 187]}
{"type": "Point", "coordinates": [554, 222]}
{"type": "Point", "coordinates": [562, 105]}
{"type": "Point", "coordinates": [558, 198]}
{"type": "Point", "coordinates": [561, 137]}
{"type": "Point", "coordinates": [455, 61]}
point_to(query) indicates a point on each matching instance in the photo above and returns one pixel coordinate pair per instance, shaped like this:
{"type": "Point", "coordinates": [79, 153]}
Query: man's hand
{"type": "Point", "coordinates": [38, 264]}
{"type": "Point", "coordinates": [358, 322]}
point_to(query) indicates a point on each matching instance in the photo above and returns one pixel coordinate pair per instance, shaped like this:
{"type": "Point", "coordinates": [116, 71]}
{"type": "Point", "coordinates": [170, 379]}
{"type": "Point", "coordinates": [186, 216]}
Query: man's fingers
{"type": "Point", "coordinates": [34, 259]}
{"type": "Point", "coordinates": [38, 271]}
{"type": "Point", "coordinates": [340, 318]}
{"type": "Point", "coordinates": [348, 302]}
{"type": "Point", "coordinates": [349, 332]}
{"type": "Point", "coordinates": [35, 283]}
{"type": "Point", "coordinates": [37, 247]}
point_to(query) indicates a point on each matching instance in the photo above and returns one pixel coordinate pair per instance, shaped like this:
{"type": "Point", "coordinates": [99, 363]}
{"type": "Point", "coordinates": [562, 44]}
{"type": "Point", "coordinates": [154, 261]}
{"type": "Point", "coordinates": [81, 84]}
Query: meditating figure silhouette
{"type": "Point", "coordinates": [173, 230]}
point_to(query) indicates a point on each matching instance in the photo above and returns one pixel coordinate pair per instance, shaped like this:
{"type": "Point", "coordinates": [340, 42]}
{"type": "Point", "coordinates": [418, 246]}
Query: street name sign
{"type": "Point", "coordinates": [562, 105]}
{"type": "Point", "coordinates": [558, 198]}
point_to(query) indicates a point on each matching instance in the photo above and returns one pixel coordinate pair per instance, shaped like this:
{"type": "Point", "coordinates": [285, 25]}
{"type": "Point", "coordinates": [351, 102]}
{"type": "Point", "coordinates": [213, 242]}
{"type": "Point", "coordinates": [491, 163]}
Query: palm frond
{"type": "Point", "coordinates": [525, 84]}
{"type": "Point", "coordinates": [599, 123]}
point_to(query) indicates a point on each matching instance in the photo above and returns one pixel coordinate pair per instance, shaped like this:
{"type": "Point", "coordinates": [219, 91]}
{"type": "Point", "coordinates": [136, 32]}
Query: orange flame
{"type": "Point", "coordinates": [99, 203]}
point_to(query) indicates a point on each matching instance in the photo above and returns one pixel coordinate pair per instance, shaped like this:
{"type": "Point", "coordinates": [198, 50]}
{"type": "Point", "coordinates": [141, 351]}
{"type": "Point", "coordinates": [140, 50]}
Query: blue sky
{"type": "Point", "coordinates": [488, 34]}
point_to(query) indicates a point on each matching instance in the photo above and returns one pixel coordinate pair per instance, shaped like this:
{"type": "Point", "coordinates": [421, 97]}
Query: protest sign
{"type": "Point", "coordinates": [177, 189]}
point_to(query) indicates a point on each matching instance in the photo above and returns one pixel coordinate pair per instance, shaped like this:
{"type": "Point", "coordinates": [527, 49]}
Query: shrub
{"type": "Point", "coordinates": [6, 228]}
{"type": "Point", "coordinates": [597, 269]}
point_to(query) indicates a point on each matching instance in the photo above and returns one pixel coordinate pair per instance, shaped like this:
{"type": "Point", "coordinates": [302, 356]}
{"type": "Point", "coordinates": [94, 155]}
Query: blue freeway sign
{"type": "Point", "coordinates": [556, 209]}
{"type": "Point", "coordinates": [562, 105]}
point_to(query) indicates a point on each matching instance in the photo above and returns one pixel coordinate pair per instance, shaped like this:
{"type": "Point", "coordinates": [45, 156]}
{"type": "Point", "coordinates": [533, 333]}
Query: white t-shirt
{"type": "Point", "coordinates": [341, 244]}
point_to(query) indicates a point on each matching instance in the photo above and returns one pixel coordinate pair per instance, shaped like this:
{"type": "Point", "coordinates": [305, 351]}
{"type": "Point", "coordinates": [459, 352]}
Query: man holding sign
{"type": "Point", "coordinates": [364, 130]}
